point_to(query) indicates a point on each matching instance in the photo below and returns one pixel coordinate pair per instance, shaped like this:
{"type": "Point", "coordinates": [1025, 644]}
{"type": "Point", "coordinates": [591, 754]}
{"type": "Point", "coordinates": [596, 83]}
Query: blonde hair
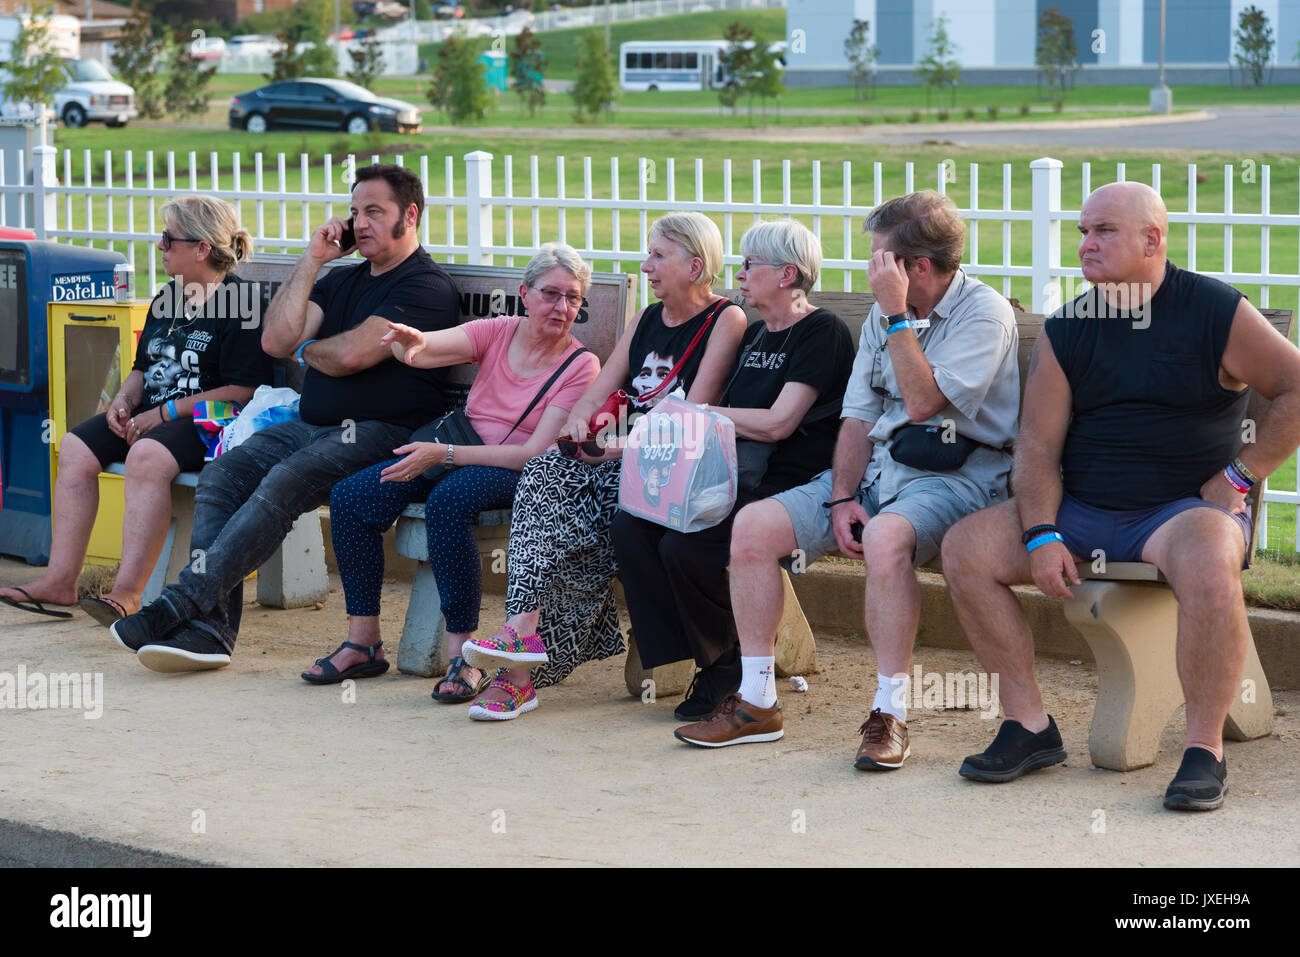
{"type": "Point", "coordinates": [785, 242]}
{"type": "Point", "coordinates": [562, 255]}
{"type": "Point", "coordinates": [213, 221]}
{"type": "Point", "coordinates": [698, 236]}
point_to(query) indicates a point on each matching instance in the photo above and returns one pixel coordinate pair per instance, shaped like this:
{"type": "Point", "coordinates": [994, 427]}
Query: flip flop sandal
{"type": "Point", "coordinates": [454, 669]}
{"type": "Point", "coordinates": [27, 605]}
{"type": "Point", "coordinates": [103, 609]}
{"type": "Point", "coordinates": [330, 675]}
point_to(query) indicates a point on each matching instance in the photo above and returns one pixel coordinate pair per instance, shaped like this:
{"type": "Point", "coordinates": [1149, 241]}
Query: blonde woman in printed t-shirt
{"type": "Point", "coordinates": [516, 357]}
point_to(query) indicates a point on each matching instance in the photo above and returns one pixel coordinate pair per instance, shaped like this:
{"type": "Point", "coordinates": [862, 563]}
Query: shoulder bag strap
{"type": "Point", "coordinates": [541, 392]}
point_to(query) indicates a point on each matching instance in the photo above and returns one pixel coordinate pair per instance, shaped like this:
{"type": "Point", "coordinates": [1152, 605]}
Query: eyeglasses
{"type": "Point", "coordinates": [569, 448]}
{"type": "Point", "coordinates": [745, 264]}
{"type": "Point", "coordinates": [552, 296]}
{"type": "Point", "coordinates": [168, 239]}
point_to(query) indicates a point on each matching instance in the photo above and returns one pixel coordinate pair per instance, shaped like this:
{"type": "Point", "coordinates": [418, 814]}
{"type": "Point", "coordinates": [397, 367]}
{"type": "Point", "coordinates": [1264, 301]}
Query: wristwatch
{"type": "Point", "coordinates": [887, 321]}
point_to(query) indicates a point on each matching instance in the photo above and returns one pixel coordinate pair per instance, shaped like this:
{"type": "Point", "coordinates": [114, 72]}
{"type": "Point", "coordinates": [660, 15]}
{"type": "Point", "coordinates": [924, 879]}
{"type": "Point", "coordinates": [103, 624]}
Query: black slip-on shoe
{"type": "Point", "coordinates": [709, 687]}
{"type": "Point", "coordinates": [1200, 784]}
{"type": "Point", "coordinates": [1015, 751]}
{"type": "Point", "coordinates": [194, 647]}
{"type": "Point", "coordinates": [152, 623]}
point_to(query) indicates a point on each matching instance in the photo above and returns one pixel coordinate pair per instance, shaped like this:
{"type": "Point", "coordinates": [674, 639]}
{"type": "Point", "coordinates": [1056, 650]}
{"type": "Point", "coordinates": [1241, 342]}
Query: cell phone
{"type": "Point", "coordinates": [855, 529]}
{"type": "Point", "coordinates": [348, 240]}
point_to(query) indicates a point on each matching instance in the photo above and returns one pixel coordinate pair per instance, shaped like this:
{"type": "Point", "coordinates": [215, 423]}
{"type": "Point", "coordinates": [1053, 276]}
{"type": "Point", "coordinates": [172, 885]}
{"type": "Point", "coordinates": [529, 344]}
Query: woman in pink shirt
{"type": "Point", "coordinates": [517, 356]}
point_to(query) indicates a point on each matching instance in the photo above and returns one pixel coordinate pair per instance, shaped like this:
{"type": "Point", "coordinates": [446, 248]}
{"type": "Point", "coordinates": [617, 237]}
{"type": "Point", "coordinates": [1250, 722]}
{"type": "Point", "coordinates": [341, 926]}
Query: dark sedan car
{"type": "Point", "coordinates": [321, 104]}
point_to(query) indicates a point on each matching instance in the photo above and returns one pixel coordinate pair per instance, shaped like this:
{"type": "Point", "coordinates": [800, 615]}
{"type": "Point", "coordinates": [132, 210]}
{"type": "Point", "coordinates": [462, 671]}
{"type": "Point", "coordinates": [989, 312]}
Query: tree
{"type": "Point", "coordinates": [186, 94]}
{"type": "Point", "coordinates": [1254, 44]}
{"type": "Point", "coordinates": [737, 63]}
{"type": "Point", "coordinates": [861, 55]}
{"type": "Point", "coordinates": [304, 45]}
{"type": "Point", "coordinates": [136, 59]}
{"type": "Point", "coordinates": [458, 86]}
{"type": "Point", "coordinates": [940, 67]}
{"type": "Point", "coordinates": [36, 72]}
{"type": "Point", "coordinates": [596, 87]}
{"type": "Point", "coordinates": [367, 62]}
{"type": "Point", "coordinates": [765, 80]}
{"type": "Point", "coordinates": [526, 67]}
{"type": "Point", "coordinates": [422, 11]}
{"type": "Point", "coordinates": [1056, 54]}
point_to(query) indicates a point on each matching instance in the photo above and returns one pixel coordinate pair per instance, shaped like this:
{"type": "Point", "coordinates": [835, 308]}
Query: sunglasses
{"type": "Point", "coordinates": [569, 448]}
{"type": "Point", "coordinates": [168, 239]}
{"type": "Point", "coordinates": [875, 366]}
{"type": "Point", "coordinates": [745, 264]}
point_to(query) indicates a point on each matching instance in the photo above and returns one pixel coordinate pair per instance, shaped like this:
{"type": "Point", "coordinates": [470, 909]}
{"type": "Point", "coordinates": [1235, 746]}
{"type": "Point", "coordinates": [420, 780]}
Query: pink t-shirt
{"type": "Point", "coordinates": [499, 395]}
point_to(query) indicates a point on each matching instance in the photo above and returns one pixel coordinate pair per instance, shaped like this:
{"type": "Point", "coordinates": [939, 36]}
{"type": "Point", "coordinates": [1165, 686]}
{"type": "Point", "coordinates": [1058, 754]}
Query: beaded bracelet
{"type": "Point", "coordinates": [1043, 539]}
{"type": "Point", "coordinates": [1031, 533]}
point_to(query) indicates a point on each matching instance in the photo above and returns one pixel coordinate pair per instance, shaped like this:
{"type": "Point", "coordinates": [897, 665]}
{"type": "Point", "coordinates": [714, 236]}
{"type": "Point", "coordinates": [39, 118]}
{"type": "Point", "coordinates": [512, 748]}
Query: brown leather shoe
{"type": "Point", "coordinates": [735, 722]}
{"type": "Point", "coordinates": [884, 743]}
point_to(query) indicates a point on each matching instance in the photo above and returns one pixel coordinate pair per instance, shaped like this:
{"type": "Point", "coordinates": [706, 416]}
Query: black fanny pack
{"type": "Point", "coordinates": [931, 448]}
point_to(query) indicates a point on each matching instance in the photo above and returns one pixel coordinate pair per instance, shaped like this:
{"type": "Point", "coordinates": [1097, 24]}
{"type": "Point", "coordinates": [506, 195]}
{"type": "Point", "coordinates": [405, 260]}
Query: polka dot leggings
{"type": "Point", "coordinates": [362, 508]}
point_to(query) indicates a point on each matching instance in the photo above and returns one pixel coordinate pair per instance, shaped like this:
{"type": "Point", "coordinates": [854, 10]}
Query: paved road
{"type": "Point", "coordinates": [1273, 129]}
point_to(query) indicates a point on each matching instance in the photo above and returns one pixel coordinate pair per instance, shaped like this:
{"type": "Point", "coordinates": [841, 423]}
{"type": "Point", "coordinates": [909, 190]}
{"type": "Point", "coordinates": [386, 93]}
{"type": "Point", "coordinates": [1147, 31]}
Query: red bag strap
{"type": "Point", "coordinates": [653, 394]}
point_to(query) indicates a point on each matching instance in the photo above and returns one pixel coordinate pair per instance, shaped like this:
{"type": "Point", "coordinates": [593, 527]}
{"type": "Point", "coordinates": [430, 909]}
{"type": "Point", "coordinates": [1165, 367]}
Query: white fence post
{"type": "Point", "coordinates": [1045, 221]}
{"type": "Point", "coordinates": [478, 207]}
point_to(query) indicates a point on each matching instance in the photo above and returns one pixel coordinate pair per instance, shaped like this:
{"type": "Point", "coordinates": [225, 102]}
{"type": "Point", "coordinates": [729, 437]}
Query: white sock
{"type": "Point", "coordinates": [758, 680]}
{"type": "Point", "coordinates": [891, 696]}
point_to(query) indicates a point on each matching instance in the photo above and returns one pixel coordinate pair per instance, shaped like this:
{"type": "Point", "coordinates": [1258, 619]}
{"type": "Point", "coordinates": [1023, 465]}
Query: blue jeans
{"type": "Point", "coordinates": [249, 498]}
{"type": "Point", "coordinates": [362, 508]}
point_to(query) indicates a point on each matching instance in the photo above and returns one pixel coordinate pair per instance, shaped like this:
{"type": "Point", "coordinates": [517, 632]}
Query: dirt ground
{"type": "Point", "coordinates": [250, 765]}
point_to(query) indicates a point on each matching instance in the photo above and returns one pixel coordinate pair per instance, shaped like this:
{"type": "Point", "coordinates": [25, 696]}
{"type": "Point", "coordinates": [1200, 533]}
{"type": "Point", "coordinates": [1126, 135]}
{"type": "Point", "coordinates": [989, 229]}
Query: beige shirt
{"type": "Point", "coordinates": [972, 345]}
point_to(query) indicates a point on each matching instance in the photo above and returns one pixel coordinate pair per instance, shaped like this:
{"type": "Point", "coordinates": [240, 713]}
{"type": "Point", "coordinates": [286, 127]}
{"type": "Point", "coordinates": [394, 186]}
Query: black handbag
{"type": "Point", "coordinates": [455, 428]}
{"type": "Point", "coordinates": [924, 447]}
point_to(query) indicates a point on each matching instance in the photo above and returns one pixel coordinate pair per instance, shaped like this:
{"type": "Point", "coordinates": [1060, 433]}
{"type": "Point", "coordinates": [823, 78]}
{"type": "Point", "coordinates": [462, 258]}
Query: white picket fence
{"type": "Point", "coordinates": [466, 221]}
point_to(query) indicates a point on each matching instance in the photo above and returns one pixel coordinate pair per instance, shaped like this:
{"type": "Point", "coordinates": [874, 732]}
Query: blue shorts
{"type": "Point", "coordinates": [1121, 535]}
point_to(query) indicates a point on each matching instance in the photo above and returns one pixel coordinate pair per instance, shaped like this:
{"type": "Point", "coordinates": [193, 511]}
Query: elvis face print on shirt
{"type": "Point", "coordinates": [654, 370]}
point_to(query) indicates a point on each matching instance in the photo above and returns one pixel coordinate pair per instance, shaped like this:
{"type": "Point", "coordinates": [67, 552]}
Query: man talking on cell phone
{"type": "Point", "coordinates": [358, 404]}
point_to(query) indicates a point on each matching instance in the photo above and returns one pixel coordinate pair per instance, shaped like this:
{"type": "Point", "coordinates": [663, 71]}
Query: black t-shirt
{"type": "Point", "coordinates": [817, 351]}
{"type": "Point", "coordinates": [418, 293]}
{"type": "Point", "coordinates": [1151, 423]}
{"type": "Point", "coordinates": [184, 351]}
{"type": "Point", "coordinates": [656, 348]}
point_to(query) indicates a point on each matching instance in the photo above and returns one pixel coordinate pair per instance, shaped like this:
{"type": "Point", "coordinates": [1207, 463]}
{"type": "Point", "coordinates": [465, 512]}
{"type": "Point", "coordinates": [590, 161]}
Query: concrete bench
{"type": "Point", "coordinates": [1127, 614]}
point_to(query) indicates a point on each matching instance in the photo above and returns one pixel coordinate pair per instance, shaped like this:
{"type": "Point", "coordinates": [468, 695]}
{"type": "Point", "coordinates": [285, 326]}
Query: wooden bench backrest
{"type": "Point", "coordinates": [854, 307]}
{"type": "Point", "coordinates": [484, 291]}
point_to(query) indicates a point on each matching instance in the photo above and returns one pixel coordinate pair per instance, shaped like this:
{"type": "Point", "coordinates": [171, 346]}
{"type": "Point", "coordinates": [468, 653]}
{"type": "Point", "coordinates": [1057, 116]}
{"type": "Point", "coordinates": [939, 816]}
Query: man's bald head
{"type": "Point", "coordinates": [1141, 204]}
{"type": "Point", "coordinates": [1125, 229]}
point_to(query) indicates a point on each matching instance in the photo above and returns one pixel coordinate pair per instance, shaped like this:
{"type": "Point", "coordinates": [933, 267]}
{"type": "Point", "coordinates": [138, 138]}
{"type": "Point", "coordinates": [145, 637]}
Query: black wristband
{"type": "Point", "coordinates": [839, 501]}
{"type": "Point", "coordinates": [1034, 532]}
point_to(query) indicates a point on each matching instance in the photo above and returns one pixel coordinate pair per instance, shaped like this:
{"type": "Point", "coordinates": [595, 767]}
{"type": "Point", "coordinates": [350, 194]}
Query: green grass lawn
{"type": "Point", "coordinates": [288, 218]}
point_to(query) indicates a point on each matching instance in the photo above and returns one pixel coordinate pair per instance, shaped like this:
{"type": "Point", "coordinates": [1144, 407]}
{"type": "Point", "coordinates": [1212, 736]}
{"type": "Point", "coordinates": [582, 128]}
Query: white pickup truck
{"type": "Point", "coordinates": [93, 96]}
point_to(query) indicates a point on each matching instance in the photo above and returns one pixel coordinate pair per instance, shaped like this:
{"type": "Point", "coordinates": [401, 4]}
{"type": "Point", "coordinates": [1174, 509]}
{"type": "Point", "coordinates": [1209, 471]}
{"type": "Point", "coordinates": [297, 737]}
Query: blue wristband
{"type": "Point", "coordinates": [301, 361]}
{"type": "Point", "coordinates": [1043, 539]}
{"type": "Point", "coordinates": [171, 408]}
{"type": "Point", "coordinates": [901, 324]}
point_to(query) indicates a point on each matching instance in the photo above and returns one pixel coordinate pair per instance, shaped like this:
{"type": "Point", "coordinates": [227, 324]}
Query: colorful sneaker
{"type": "Point", "coordinates": [505, 649]}
{"type": "Point", "coordinates": [520, 700]}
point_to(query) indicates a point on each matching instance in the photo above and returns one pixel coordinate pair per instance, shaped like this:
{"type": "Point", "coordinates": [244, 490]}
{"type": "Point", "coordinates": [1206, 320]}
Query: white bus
{"type": "Point", "coordinates": [674, 64]}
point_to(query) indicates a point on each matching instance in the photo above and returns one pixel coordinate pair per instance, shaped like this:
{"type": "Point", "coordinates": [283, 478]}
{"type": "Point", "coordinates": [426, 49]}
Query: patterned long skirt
{"type": "Point", "coordinates": [561, 561]}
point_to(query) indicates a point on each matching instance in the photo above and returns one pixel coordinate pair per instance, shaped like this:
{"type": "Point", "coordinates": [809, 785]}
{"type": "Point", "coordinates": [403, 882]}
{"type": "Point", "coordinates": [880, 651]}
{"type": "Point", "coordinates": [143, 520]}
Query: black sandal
{"type": "Point", "coordinates": [32, 605]}
{"type": "Point", "coordinates": [103, 609]}
{"type": "Point", "coordinates": [454, 669]}
{"type": "Point", "coordinates": [330, 675]}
